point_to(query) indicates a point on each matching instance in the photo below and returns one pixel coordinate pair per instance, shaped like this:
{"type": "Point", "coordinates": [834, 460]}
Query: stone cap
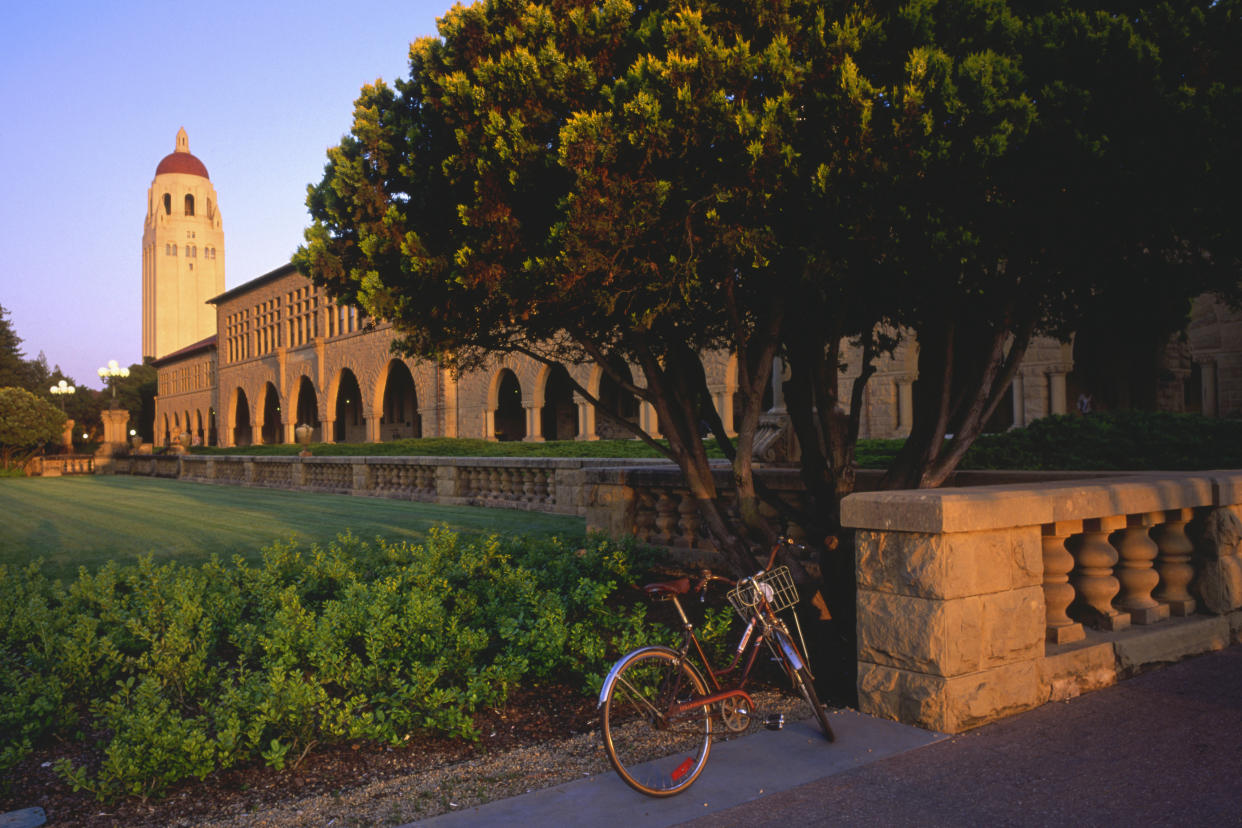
{"type": "Point", "coordinates": [979, 508]}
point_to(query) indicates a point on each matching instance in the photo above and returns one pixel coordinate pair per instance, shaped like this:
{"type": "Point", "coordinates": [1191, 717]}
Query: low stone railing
{"type": "Point", "coordinates": [55, 465]}
{"type": "Point", "coordinates": [976, 603]}
{"type": "Point", "coordinates": [532, 483]}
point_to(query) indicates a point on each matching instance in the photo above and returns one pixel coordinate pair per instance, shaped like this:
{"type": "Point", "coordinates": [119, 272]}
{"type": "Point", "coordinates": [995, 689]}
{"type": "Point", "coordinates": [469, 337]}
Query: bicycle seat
{"type": "Point", "coordinates": [679, 587]}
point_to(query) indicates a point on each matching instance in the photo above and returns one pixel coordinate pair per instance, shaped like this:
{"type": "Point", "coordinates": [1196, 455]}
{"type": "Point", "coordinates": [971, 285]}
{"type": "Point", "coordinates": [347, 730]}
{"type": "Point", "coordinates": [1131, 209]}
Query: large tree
{"type": "Point", "coordinates": [637, 183]}
{"type": "Point", "coordinates": [27, 422]}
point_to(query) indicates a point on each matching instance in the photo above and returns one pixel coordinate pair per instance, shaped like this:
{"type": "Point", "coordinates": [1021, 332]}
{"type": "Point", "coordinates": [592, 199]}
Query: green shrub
{"type": "Point", "coordinates": [178, 671]}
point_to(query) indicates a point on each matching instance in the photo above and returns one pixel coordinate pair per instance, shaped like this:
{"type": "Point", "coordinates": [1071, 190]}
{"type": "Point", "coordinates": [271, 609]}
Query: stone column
{"type": "Point", "coordinates": [67, 436]}
{"type": "Point", "coordinates": [1019, 399]}
{"type": "Point", "coordinates": [905, 405]}
{"type": "Point", "coordinates": [327, 430]}
{"type": "Point", "coordinates": [647, 419]}
{"type": "Point", "coordinates": [1056, 392]}
{"type": "Point", "coordinates": [1207, 373]}
{"type": "Point", "coordinates": [114, 422]}
{"type": "Point", "coordinates": [586, 421]}
{"type": "Point", "coordinates": [724, 407]}
{"type": "Point", "coordinates": [372, 424]}
{"type": "Point", "coordinates": [534, 423]}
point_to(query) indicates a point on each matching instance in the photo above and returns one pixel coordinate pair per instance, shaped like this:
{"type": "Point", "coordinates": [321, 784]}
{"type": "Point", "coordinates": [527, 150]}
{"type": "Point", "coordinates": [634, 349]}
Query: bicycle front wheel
{"type": "Point", "coordinates": [654, 750]}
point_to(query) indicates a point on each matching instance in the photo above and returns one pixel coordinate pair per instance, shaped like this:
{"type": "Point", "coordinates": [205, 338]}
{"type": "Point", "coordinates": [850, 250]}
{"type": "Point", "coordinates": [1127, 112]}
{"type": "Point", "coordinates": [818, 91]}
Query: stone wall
{"type": "Point", "coordinates": [976, 603]}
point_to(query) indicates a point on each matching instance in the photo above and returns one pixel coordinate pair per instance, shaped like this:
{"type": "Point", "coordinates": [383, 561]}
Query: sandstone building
{"type": "Point", "coordinates": [247, 365]}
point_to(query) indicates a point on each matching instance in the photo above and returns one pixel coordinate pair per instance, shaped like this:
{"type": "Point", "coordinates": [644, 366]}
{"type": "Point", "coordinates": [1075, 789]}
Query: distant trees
{"type": "Point", "coordinates": [26, 423]}
{"type": "Point", "coordinates": [637, 183]}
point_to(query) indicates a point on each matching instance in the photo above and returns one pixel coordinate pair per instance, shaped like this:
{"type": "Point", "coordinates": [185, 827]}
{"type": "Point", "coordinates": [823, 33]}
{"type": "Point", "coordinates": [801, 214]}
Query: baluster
{"type": "Point", "coordinates": [1058, 593]}
{"type": "Point", "coordinates": [543, 486]}
{"type": "Point", "coordinates": [528, 485]}
{"type": "Point", "coordinates": [688, 520]}
{"type": "Point", "coordinates": [1173, 561]}
{"type": "Point", "coordinates": [1093, 574]}
{"type": "Point", "coordinates": [1136, 573]}
{"type": "Point", "coordinates": [666, 519]}
{"type": "Point", "coordinates": [644, 516]}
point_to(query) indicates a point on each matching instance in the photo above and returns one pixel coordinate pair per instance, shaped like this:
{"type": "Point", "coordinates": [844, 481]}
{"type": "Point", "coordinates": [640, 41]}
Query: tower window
{"type": "Point", "coordinates": [189, 204]}
{"type": "Point", "coordinates": [167, 204]}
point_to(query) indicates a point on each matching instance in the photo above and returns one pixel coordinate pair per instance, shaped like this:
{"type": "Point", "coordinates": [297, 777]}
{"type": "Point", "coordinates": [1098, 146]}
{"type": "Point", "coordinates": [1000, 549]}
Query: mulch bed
{"type": "Point", "coordinates": [530, 717]}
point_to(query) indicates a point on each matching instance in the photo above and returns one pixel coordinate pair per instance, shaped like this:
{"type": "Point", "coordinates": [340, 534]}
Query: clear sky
{"type": "Point", "coordinates": [93, 95]}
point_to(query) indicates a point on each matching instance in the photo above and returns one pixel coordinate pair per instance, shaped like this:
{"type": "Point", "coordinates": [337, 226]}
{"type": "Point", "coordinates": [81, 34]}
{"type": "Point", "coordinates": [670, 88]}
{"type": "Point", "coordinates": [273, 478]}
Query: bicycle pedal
{"type": "Point", "coordinates": [775, 721]}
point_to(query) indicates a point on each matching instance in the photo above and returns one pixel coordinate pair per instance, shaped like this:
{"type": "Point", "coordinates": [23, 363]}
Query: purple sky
{"type": "Point", "coordinates": [95, 93]}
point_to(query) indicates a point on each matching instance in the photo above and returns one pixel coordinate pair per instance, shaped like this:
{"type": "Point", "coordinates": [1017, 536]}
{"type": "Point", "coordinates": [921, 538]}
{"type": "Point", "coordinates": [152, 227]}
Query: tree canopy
{"type": "Point", "coordinates": [26, 423]}
{"type": "Point", "coordinates": [637, 183]}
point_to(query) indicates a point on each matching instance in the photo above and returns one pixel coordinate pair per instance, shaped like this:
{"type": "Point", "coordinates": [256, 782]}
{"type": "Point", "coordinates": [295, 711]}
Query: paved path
{"type": "Point", "coordinates": [1164, 748]}
{"type": "Point", "coordinates": [737, 771]}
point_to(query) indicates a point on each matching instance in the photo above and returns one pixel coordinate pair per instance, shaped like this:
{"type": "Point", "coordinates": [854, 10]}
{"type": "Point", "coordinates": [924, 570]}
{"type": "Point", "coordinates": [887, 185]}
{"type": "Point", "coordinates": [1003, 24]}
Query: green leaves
{"type": "Point", "coordinates": [178, 671]}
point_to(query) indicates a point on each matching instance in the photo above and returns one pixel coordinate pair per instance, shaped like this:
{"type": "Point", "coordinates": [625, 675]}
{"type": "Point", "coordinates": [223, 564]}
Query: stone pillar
{"type": "Point", "coordinates": [1019, 399]}
{"type": "Point", "coordinates": [647, 419]}
{"type": "Point", "coordinates": [586, 421]}
{"type": "Point", "coordinates": [1093, 578]}
{"type": "Point", "coordinates": [1207, 373]}
{"type": "Point", "coordinates": [1173, 562]}
{"type": "Point", "coordinates": [1136, 572]}
{"type": "Point", "coordinates": [778, 386]}
{"type": "Point", "coordinates": [372, 425]}
{"type": "Point", "coordinates": [1058, 593]}
{"type": "Point", "coordinates": [489, 424]}
{"type": "Point", "coordinates": [114, 422]}
{"type": "Point", "coordinates": [534, 423]}
{"type": "Point", "coordinates": [905, 405]}
{"type": "Point", "coordinates": [724, 407]}
{"type": "Point", "coordinates": [66, 437]}
{"type": "Point", "coordinates": [327, 430]}
{"type": "Point", "coordinates": [1056, 392]}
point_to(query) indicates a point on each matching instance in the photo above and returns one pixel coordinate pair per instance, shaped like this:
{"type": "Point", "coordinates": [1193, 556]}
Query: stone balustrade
{"type": "Point", "coordinates": [975, 603]}
{"type": "Point", "coordinates": [532, 483]}
{"type": "Point", "coordinates": [55, 465]}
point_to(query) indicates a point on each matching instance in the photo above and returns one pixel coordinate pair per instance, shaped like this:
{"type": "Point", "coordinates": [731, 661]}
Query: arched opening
{"type": "Point", "coordinates": [559, 415]}
{"type": "Point", "coordinates": [401, 417]}
{"type": "Point", "coordinates": [211, 427]}
{"type": "Point", "coordinates": [187, 425]}
{"type": "Point", "coordinates": [349, 426]}
{"type": "Point", "coordinates": [509, 420]}
{"type": "Point", "coordinates": [308, 408]}
{"type": "Point", "coordinates": [167, 204]}
{"type": "Point", "coordinates": [272, 430]}
{"type": "Point", "coordinates": [242, 436]}
{"type": "Point", "coordinates": [613, 398]}
{"type": "Point", "coordinates": [167, 438]}
{"type": "Point", "coordinates": [198, 435]}
{"type": "Point", "coordinates": [189, 204]}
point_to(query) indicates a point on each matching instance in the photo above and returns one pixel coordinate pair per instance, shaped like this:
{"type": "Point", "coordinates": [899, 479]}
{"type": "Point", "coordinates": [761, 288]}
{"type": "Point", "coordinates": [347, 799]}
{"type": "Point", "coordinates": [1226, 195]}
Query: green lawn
{"type": "Point", "coordinates": [87, 521]}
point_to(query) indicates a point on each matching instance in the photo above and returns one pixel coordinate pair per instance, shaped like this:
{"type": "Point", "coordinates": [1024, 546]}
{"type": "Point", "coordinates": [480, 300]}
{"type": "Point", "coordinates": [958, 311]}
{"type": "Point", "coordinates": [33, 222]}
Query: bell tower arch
{"type": "Point", "coordinates": [182, 254]}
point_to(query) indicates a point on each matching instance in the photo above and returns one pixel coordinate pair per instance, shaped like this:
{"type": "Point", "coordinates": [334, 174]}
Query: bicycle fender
{"type": "Point", "coordinates": [611, 678]}
{"type": "Point", "coordinates": [790, 651]}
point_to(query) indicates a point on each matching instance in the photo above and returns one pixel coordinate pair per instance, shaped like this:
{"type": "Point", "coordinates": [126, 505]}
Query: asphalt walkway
{"type": "Point", "coordinates": [1163, 748]}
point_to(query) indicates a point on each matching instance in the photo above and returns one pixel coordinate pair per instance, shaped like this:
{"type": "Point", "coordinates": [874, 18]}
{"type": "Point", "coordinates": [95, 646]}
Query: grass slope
{"type": "Point", "coordinates": [87, 521]}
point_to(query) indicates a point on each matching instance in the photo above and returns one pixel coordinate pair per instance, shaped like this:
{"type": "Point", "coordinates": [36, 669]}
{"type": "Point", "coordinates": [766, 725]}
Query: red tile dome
{"type": "Point", "coordinates": [181, 162]}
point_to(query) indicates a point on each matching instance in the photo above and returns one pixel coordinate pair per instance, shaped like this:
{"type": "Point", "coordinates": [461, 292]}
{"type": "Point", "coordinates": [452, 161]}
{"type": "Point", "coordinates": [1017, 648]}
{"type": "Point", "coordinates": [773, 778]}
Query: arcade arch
{"type": "Point", "coordinates": [349, 425]}
{"type": "Point", "coordinates": [272, 430]}
{"type": "Point", "coordinates": [401, 418]}
{"type": "Point", "coordinates": [307, 408]}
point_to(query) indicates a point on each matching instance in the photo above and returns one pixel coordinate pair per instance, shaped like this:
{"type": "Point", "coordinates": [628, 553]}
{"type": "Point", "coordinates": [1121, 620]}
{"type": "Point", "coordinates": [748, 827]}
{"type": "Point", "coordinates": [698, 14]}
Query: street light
{"type": "Point", "coordinates": [60, 389]}
{"type": "Point", "coordinates": [109, 374]}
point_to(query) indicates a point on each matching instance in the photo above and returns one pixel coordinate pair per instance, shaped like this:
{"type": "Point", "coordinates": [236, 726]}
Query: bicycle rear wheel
{"type": "Point", "coordinates": [653, 752]}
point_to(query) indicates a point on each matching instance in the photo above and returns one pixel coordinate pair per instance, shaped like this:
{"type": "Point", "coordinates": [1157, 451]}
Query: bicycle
{"type": "Point", "coordinates": [657, 707]}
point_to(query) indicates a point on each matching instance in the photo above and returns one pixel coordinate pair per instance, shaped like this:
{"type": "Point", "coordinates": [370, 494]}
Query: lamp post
{"type": "Point", "coordinates": [109, 373]}
{"type": "Point", "coordinates": [60, 389]}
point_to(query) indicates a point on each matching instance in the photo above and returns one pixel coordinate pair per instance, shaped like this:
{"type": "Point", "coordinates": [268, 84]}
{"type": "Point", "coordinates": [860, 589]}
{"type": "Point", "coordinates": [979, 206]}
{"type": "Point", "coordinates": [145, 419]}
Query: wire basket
{"type": "Point", "coordinates": [777, 584]}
